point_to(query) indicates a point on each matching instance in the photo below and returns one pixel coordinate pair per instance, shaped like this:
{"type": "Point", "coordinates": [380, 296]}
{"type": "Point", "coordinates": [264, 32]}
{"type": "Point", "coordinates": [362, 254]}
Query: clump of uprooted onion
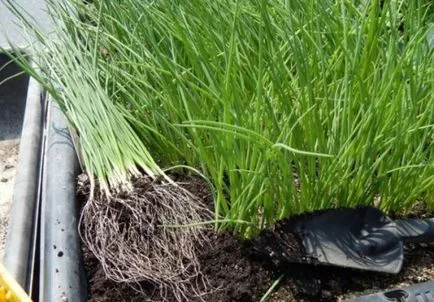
{"type": "Point", "coordinates": [140, 225]}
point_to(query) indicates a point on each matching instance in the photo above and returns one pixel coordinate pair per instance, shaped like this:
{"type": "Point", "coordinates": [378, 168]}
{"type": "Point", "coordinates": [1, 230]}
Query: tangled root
{"type": "Point", "coordinates": [143, 235]}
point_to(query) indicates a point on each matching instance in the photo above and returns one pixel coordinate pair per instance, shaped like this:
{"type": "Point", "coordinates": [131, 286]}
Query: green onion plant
{"type": "Point", "coordinates": [284, 106]}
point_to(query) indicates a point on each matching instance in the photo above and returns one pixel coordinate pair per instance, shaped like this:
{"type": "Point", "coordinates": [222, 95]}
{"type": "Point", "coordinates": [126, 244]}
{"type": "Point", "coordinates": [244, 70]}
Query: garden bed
{"type": "Point", "coordinates": [237, 273]}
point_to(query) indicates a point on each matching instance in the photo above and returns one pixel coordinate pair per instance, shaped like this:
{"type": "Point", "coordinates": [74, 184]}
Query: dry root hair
{"type": "Point", "coordinates": [133, 236]}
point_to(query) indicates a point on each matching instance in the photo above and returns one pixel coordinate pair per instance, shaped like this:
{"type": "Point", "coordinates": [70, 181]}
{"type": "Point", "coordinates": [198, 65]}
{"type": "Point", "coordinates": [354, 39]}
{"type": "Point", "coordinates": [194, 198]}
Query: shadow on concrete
{"type": "Point", "coordinates": [13, 93]}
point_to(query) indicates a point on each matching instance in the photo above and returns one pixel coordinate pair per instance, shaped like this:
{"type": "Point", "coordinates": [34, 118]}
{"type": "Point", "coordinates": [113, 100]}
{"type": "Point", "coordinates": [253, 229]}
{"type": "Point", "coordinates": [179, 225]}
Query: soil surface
{"type": "Point", "coordinates": [8, 162]}
{"type": "Point", "coordinates": [237, 272]}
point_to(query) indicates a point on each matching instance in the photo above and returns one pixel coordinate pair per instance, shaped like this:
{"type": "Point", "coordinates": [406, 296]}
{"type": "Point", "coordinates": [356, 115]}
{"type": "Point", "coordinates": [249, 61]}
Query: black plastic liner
{"type": "Point", "coordinates": [422, 292]}
{"type": "Point", "coordinates": [62, 275]}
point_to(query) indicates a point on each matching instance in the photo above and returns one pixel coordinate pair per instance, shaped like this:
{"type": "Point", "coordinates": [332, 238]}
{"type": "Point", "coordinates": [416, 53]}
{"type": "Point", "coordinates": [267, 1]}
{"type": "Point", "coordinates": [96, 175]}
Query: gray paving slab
{"type": "Point", "coordinates": [10, 28]}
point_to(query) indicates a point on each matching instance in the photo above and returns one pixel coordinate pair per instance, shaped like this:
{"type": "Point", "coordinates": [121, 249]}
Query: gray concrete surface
{"type": "Point", "coordinates": [9, 27]}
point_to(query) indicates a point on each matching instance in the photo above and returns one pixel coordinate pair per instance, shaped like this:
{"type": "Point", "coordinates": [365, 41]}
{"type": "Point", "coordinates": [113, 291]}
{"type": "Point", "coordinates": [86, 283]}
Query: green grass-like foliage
{"type": "Point", "coordinates": [65, 64]}
{"type": "Point", "coordinates": [285, 106]}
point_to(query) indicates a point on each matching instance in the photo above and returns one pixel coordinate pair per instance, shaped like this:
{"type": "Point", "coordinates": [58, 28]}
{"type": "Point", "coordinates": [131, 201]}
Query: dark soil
{"type": "Point", "coordinates": [237, 272]}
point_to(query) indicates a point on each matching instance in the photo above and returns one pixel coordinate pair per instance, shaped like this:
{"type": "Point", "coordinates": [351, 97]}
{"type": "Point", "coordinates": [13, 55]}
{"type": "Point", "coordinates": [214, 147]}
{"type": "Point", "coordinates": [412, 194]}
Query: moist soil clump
{"type": "Point", "coordinates": [237, 271]}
